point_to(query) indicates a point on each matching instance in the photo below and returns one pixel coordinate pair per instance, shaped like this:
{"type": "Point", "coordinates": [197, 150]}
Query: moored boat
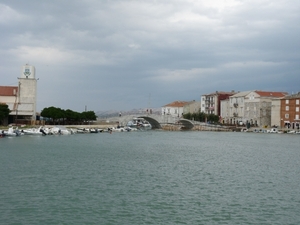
{"type": "Point", "coordinates": [139, 123]}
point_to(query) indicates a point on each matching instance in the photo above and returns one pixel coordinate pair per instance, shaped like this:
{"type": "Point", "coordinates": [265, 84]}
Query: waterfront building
{"type": "Point", "coordinates": [174, 109]}
{"type": "Point", "coordinates": [236, 107]}
{"type": "Point", "coordinates": [253, 107]}
{"type": "Point", "coordinates": [21, 99]}
{"type": "Point", "coordinates": [210, 103]}
{"type": "Point", "coordinates": [275, 112]}
{"type": "Point", "coordinates": [258, 107]}
{"type": "Point", "coordinates": [191, 107]}
{"type": "Point", "coordinates": [290, 111]}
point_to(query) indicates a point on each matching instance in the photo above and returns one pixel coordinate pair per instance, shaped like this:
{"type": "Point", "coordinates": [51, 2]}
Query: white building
{"type": "Point", "coordinates": [174, 109]}
{"type": "Point", "coordinates": [191, 107]}
{"type": "Point", "coordinates": [237, 107]}
{"type": "Point", "coordinates": [258, 107]}
{"type": "Point", "coordinates": [21, 99]}
{"type": "Point", "coordinates": [254, 107]}
{"type": "Point", "coordinates": [275, 112]}
{"type": "Point", "coordinates": [211, 103]}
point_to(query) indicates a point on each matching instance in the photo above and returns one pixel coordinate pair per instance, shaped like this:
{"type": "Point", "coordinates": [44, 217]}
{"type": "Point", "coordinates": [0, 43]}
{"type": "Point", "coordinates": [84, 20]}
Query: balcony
{"type": "Point", "coordinates": [235, 114]}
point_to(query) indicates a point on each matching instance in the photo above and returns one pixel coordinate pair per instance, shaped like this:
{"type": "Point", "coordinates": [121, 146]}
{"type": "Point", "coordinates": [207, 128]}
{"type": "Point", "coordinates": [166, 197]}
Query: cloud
{"type": "Point", "coordinates": [117, 52]}
{"type": "Point", "coordinates": [9, 16]}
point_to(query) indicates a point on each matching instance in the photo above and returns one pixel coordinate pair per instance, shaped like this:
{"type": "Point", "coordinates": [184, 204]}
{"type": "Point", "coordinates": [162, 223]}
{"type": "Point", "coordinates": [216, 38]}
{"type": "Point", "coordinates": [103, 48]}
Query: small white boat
{"type": "Point", "coordinates": [35, 131]}
{"type": "Point", "coordinates": [12, 132]}
{"type": "Point", "coordinates": [60, 131]}
{"type": "Point", "coordinates": [95, 130]}
{"type": "Point", "coordinates": [291, 132]}
{"type": "Point", "coordinates": [118, 129]}
{"type": "Point", "coordinates": [139, 123]}
{"type": "Point", "coordinates": [273, 130]}
{"type": "Point", "coordinates": [83, 131]}
{"type": "Point", "coordinates": [131, 129]}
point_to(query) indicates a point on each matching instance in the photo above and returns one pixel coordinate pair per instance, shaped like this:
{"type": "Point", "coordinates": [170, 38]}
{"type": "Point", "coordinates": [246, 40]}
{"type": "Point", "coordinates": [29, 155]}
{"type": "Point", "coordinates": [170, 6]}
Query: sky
{"type": "Point", "coordinates": [120, 55]}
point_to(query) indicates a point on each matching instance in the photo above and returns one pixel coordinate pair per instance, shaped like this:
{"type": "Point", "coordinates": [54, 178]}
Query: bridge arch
{"type": "Point", "coordinates": [187, 124]}
{"type": "Point", "coordinates": [157, 121]}
{"type": "Point", "coordinates": [154, 123]}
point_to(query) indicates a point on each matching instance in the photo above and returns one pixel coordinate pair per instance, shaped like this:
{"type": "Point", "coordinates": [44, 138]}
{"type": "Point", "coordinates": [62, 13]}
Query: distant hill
{"type": "Point", "coordinates": [114, 113]}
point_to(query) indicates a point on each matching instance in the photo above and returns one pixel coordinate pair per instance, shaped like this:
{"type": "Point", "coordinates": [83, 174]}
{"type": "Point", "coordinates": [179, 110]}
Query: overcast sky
{"type": "Point", "coordinates": [127, 54]}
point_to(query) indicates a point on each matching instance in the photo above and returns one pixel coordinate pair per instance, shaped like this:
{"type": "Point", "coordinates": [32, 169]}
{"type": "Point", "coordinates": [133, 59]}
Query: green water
{"type": "Point", "coordinates": [151, 177]}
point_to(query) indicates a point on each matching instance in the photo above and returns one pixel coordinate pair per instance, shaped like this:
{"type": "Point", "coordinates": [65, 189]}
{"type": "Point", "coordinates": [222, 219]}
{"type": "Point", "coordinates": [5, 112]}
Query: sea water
{"type": "Point", "coordinates": [151, 177]}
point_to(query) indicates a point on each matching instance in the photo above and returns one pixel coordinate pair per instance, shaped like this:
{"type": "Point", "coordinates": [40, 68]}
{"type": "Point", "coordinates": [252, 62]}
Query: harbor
{"type": "Point", "coordinates": [153, 177]}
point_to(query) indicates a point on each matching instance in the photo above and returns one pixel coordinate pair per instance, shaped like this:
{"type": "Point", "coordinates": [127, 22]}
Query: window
{"type": "Point", "coordinates": [297, 109]}
{"type": "Point", "coordinates": [287, 101]}
{"type": "Point", "coordinates": [297, 101]}
{"type": "Point", "coordinates": [297, 117]}
{"type": "Point", "coordinates": [247, 108]}
{"type": "Point", "coordinates": [286, 116]}
{"type": "Point", "coordinates": [287, 108]}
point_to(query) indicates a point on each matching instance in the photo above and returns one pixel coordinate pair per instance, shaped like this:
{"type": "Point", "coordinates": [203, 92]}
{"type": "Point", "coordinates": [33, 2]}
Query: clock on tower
{"type": "Point", "coordinates": [28, 72]}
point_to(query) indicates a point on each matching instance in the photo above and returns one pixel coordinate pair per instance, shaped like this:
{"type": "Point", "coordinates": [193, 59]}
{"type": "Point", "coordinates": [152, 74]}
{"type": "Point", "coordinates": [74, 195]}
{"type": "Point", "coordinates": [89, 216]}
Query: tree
{"type": "Point", "coordinates": [57, 115]}
{"type": "Point", "coordinates": [213, 118]}
{"type": "Point", "coordinates": [89, 115]}
{"type": "Point", "coordinates": [53, 113]}
{"type": "Point", "coordinates": [4, 112]}
{"type": "Point", "coordinates": [201, 116]}
{"type": "Point", "coordinates": [187, 116]}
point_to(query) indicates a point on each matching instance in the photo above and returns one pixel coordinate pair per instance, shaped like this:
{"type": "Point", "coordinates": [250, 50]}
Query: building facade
{"type": "Point", "coordinates": [21, 99]}
{"type": "Point", "coordinates": [290, 111]}
{"type": "Point", "coordinates": [258, 107]}
{"type": "Point", "coordinates": [191, 107]}
{"type": "Point", "coordinates": [253, 107]}
{"type": "Point", "coordinates": [237, 108]}
{"type": "Point", "coordinates": [275, 112]}
{"type": "Point", "coordinates": [211, 103]}
{"type": "Point", "coordinates": [174, 109]}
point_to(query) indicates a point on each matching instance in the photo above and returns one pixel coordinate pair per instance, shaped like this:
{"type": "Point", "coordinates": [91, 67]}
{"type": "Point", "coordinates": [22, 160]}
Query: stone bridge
{"type": "Point", "coordinates": [157, 121]}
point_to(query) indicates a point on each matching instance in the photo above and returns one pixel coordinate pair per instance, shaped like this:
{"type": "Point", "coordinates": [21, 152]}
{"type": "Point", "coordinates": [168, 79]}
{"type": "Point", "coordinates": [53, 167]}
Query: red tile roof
{"type": "Point", "coordinates": [271, 94]}
{"type": "Point", "coordinates": [177, 104]}
{"type": "Point", "coordinates": [8, 90]}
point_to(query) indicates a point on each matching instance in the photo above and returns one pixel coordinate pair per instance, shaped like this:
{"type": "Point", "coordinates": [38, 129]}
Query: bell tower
{"type": "Point", "coordinates": [27, 92]}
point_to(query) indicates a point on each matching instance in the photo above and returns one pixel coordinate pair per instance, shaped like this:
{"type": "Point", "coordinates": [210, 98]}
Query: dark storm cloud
{"type": "Point", "coordinates": [115, 54]}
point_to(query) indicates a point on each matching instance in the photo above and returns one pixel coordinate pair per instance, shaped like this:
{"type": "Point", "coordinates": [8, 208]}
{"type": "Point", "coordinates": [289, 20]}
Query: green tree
{"type": "Point", "coordinates": [213, 118]}
{"type": "Point", "coordinates": [54, 114]}
{"type": "Point", "coordinates": [58, 115]}
{"type": "Point", "coordinates": [201, 116]}
{"type": "Point", "coordinates": [187, 116]}
{"type": "Point", "coordinates": [4, 112]}
{"type": "Point", "coordinates": [89, 115]}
